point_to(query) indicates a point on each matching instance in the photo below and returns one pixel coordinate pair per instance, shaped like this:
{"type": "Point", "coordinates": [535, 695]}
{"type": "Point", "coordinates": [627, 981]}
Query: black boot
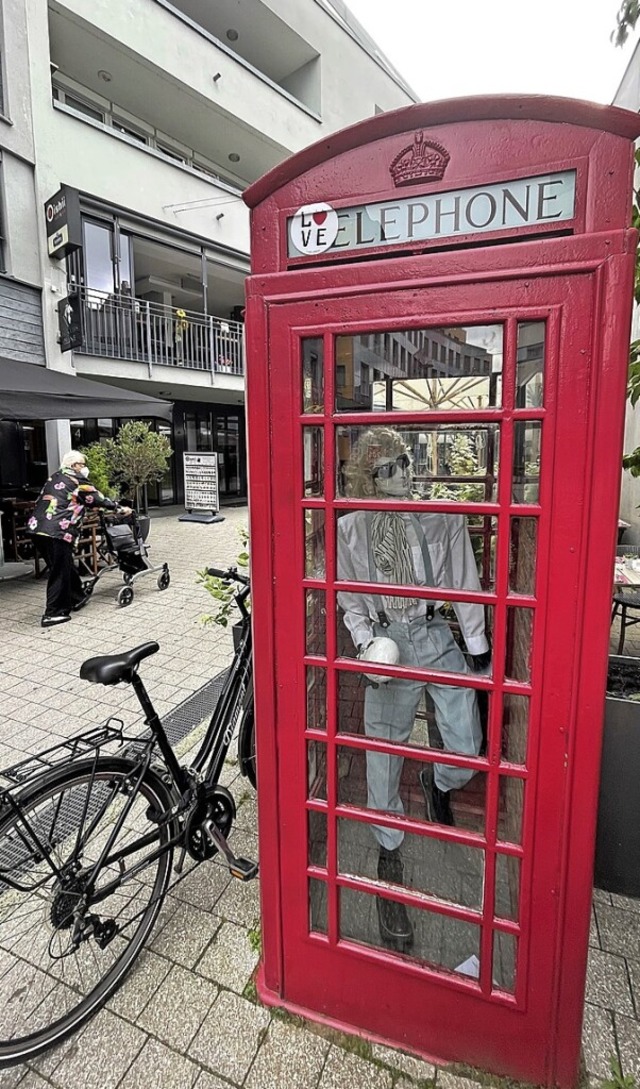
{"type": "Point", "coordinates": [396, 931]}
{"type": "Point", "coordinates": [437, 801]}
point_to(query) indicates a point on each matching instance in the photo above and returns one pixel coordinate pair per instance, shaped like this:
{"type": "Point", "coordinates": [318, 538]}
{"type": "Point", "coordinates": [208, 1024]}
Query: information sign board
{"type": "Point", "coordinates": [201, 482]}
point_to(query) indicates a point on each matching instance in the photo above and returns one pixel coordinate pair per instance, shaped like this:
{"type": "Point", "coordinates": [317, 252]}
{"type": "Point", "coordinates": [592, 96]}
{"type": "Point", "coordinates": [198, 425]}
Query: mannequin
{"type": "Point", "coordinates": [408, 549]}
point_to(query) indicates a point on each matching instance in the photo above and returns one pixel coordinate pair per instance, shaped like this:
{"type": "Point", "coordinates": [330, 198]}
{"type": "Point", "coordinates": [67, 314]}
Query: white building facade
{"type": "Point", "coordinates": [155, 116]}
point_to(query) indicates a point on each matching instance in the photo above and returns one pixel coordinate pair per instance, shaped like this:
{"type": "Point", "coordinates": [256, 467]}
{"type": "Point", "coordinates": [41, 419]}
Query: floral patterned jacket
{"type": "Point", "coordinates": [62, 504]}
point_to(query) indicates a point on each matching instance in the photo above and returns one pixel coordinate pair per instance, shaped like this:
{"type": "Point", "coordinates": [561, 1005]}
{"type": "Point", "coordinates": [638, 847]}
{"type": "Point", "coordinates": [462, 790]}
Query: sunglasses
{"type": "Point", "coordinates": [386, 471]}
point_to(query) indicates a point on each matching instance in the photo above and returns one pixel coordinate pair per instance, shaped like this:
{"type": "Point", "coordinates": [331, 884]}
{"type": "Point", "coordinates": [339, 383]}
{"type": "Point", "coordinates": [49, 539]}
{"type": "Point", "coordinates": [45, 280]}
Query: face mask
{"type": "Point", "coordinates": [83, 472]}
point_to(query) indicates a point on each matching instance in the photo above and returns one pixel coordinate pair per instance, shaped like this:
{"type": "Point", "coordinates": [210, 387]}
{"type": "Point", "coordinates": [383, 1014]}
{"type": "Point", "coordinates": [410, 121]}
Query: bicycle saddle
{"type": "Point", "coordinates": [113, 668]}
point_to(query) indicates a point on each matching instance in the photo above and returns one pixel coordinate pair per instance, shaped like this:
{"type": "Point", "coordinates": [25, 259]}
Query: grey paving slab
{"type": "Point", "coordinates": [100, 1056]}
{"type": "Point", "coordinates": [608, 982]}
{"type": "Point", "coordinates": [594, 935]}
{"type": "Point", "coordinates": [447, 1080]}
{"type": "Point", "coordinates": [176, 1011]}
{"type": "Point", "coordinates": [598, 1040]}
{"type": "Point", "coordinates": [288, 1056]}
{"type": "Point", "coordinates": [230, 958]}
{"type": "Point", "coordinates": [186, 935]}
{"type": "Point", "coordinates": [343, 1068]}
{"type": "Point", "coordinates": [628, 1037]}
{"type": "Point", "coordinates": [33, 1081]}
{"type": "Point", "coordinates": [627, 903]}
{"type": "Point", "coordinates": [157, 1065]}
{"type": "Point", "coordinates": [210, 1081]}
{"type": "Point", "coordinates": [141, 984]}
{"type": "Point", "coordinates": [229, 1037]}
{"type": "Point", "coordinates": [240, 903]}
{"type": "Point", "coordinates": [11, 1078]}
{"type": "Point", "coordinates": [619, 930]}
{"type": "Point", "coordinates": [408, 1064]}
{"type": "Point", "coordinates": [204, 886]}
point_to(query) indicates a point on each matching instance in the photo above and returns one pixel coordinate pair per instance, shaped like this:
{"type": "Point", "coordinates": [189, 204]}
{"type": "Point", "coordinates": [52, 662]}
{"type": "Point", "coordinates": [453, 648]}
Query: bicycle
{"type": "Point", "coordinates": [87, 845]}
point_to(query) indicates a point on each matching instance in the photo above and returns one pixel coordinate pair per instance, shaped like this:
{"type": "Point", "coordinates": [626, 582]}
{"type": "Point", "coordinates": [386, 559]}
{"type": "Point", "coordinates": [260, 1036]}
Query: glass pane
{"type": "Point", "coordinates": [312, 439]}
{"type": "Point", "coordinates": [317, 770]}
{"type": "Point", "coordinates": [529, 374]}
{"type": "Point", "coordinates": [454, 551]}
{"type": "Point", "coordinates": [452, 462]}
{"type": "Point", "coordinates": [510, 809]}
{"type": "Point", "coordinates": [316, 699]}
{"type": "Point", "coordinates": [522, 556]}
{"type": "Point", "coordinates": [393, 784]}
{"type": "Point", "coordinates": [432, 939]}
{"type": "Point", "coordinates": [312, 374]}
{"type": "Point", "coordinates": [526, 461]}
{"type": "Point", "coordinates": [421, 634]}
{"type": "Point", "coordinates": [505, 948]}
{"type": "Point", "coordinates": [515, 727]}
{"type": "Point", "coordinates": [315, 621]}
{"type": "Point", "coordinates": [314, 543]}
{"type": "Point", "coordinates": [449, 871]}
{"type": "Point", "coordinates": [317, 826]}
{"type": "Point", "coordinates": [98, 263]}
{"type": "Point", "coordinates": [519, 638]}
{"type": "Point", "coordinates": [317, 906]}
{"type": "Point", "coordinates": [420, 369]}
{"type": "Point", "coordinates": [507, 886]}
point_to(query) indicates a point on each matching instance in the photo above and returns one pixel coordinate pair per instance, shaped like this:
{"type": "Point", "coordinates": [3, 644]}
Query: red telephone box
{"type": "Point", "coordinates": [438, 324]}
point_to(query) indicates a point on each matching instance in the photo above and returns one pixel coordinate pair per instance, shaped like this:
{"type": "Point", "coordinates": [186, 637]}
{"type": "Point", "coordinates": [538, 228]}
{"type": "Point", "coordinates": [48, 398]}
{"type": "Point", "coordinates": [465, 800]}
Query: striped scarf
{"type": "Point", "coordinates": [392, 555]}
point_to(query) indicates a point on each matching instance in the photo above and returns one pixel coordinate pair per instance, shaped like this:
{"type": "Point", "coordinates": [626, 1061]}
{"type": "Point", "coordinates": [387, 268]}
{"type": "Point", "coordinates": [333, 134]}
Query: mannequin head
{"type": "Point", "coordinates": [380, 466]}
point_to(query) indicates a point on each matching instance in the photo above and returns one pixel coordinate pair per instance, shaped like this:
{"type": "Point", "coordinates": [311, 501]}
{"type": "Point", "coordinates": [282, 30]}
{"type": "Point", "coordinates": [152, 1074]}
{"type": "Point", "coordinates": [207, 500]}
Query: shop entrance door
{"type": "Point", "coordinates": [453, 937]}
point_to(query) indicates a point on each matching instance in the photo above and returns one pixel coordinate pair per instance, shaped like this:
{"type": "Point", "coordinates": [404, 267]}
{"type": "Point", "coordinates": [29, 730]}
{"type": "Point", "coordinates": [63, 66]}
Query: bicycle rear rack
{"type": "Point", "coordinates": [33, 766]}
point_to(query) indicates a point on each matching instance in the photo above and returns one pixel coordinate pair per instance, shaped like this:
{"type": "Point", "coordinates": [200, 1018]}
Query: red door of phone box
{"type": "Point", "coordinates": [437, 337]}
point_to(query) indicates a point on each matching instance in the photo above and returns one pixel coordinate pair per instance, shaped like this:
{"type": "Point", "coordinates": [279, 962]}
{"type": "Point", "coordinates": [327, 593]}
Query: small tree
{"type": "Point", "coordinates": [99, 472]}
{"type": "Point", "coordinates": [137, 456]}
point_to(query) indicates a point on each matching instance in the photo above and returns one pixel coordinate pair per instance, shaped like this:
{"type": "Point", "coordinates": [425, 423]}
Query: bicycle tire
{"type": "Point", "coordinates": [247, 744]}
{"type": "Point", "coordinates": [70, 811]}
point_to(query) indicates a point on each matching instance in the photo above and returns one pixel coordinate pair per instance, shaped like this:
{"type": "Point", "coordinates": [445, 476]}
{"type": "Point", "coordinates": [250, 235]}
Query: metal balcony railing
{"type": "Point", "coordinates": [119, 326]}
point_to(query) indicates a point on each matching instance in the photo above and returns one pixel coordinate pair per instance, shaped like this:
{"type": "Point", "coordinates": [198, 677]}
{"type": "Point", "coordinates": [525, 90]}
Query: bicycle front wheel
{"type": "Point", "coordinates": [70, 930]}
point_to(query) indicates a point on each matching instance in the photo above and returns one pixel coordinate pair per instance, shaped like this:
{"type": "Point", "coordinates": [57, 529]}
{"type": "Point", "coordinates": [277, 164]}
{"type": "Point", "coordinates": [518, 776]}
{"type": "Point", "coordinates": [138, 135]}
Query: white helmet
{"type": "Point", "coordinates": [382, 650]}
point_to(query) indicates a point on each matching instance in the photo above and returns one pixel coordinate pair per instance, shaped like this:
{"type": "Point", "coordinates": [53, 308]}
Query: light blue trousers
{"type": "Point", "coordinates": [390, 711]}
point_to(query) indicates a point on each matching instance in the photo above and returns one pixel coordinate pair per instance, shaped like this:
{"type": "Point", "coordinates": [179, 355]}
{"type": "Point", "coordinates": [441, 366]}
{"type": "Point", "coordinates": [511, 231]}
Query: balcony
{"type": "Point", "coordinates": [124, 327]}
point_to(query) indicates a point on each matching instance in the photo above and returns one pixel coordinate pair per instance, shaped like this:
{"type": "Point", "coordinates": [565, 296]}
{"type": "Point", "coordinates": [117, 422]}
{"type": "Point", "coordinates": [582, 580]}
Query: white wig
{"type": "Point", "coordinates": [72, 458]}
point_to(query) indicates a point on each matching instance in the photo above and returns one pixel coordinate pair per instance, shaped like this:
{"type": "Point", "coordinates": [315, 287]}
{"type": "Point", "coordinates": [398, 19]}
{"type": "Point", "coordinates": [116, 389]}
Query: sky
{"type": "Point", "coordinates": [447, 48]}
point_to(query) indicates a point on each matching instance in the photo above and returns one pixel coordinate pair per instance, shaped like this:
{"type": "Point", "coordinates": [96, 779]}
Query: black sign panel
{"type": "Point", "coordinates": [64, 225]}
{"type": "Point", "coordinates": [70, 323]}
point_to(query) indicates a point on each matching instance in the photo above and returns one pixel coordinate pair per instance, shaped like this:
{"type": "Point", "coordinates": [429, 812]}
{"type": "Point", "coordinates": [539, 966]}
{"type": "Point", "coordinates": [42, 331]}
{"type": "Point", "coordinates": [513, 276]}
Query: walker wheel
{"type": "Point", "coordinates": [164, 579]}
{"type": "Point", "coordinates": [124, 597]}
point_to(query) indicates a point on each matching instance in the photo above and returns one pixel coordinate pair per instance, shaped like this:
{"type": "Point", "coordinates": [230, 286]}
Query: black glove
{"type": "Point", "coordinates": [481, 662]}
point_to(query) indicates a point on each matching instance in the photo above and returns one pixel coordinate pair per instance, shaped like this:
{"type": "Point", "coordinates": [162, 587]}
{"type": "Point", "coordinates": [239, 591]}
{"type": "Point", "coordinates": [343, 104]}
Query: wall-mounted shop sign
{"type": "Point", "coordinates": [500, 207]}
{"type": "Point", "coordinates": [70, 323]}
{"type": "Point", "coordinates": [64, 225]}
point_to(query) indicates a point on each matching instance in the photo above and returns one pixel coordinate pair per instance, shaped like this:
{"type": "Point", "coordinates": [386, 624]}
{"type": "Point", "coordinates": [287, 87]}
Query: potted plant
{"type": "Point", "coordinates": [137, 456]}
{"type": "Point", "coordinates": [223, 593]}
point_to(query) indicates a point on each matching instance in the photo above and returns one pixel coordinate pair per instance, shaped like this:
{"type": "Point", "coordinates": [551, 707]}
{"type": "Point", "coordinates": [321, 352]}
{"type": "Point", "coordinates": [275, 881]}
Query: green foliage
{"type": "Point", "coordinates": [99, 473]}
{"type": "Point", "coordinates": [137, 456]}
{"type": "Point", "coordinates": [223, 592]}
{"type": "Point", "coordinates": [255, 939]}
{"type": "Point", "coordinates": [626, 20]}
{"type": "Point", "coordinates": [462, 461]}
{"type": "Point", "coordinates": [618, 1080]}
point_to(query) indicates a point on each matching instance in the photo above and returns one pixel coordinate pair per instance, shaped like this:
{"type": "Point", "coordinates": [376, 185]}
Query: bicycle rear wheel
{"type": "Point", "coordinates": [63, 949]}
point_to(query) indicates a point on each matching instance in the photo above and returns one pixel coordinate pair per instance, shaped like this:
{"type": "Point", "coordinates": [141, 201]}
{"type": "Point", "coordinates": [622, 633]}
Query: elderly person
{"type": "Point", "coordinates": [55, 525]}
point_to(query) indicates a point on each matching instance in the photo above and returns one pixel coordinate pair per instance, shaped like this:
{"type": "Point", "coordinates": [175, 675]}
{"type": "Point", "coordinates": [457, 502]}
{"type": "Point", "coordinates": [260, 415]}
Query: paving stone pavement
{"type": "Point", "coordinates": [186, 1018]}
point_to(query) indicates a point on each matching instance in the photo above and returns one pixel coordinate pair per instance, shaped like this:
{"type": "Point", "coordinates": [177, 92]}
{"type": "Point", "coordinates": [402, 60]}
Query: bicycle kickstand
{"type": "Point", "coordinates": [242, 868]}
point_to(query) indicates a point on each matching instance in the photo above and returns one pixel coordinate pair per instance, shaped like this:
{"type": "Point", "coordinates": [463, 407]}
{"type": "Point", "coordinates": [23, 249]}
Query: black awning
{"type": "Point", "coordinates": [30, 392]}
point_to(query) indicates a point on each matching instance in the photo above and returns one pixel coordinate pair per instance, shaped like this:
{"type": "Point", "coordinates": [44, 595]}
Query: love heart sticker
{"type": "Point", "coordinates": [313, 229]}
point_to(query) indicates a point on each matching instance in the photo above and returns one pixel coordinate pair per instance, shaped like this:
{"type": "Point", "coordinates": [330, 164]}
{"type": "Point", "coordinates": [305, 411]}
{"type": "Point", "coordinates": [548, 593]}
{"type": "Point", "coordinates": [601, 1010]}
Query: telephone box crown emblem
{"type": "Point", "coordinates": [423, 160]}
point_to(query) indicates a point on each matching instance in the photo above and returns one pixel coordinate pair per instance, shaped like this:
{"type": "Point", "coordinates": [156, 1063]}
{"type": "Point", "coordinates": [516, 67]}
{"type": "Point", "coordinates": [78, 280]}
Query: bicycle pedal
{"type": "Point", "coordinates": [243, 868]}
